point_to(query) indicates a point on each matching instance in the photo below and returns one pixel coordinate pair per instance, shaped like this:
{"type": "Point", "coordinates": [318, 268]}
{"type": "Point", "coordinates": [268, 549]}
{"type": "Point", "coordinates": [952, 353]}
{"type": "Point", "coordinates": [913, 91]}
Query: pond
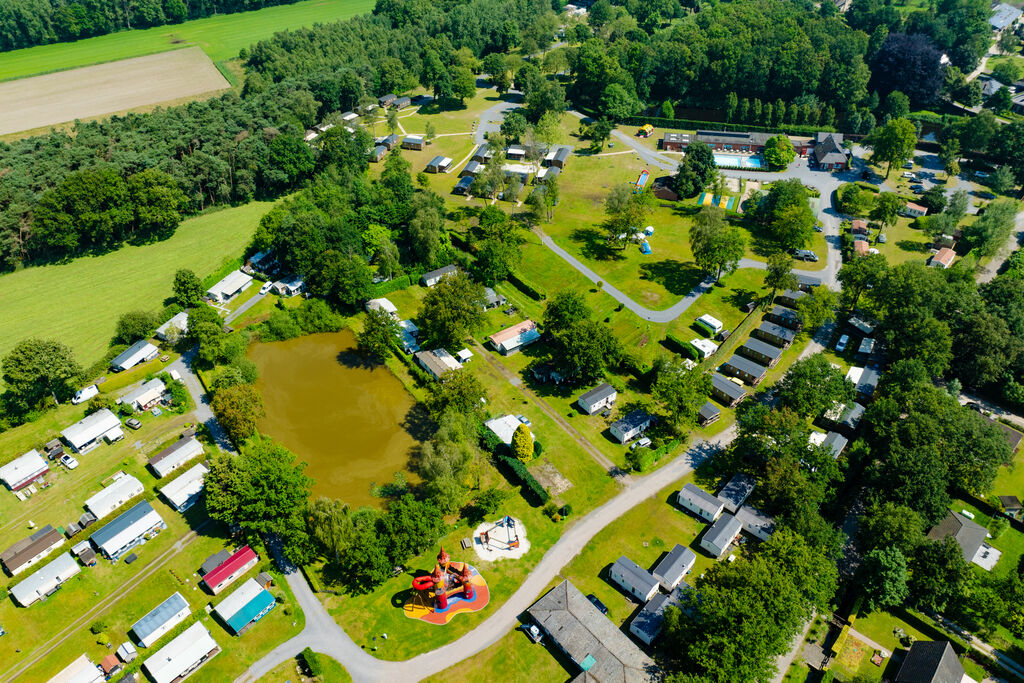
{"type": "Point", "coordinates": [344, 419]}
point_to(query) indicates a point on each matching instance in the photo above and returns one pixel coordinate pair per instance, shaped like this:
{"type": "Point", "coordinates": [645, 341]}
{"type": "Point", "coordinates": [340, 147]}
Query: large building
{"type": "Point", "coordinates": [185, 491]}
{"type": "Point", "coordinates": [231, 569]}
{"type": "Point", "coordinates": [46, 580]}
{"type": "Point", "coordinates": [128, 530]}
{"type": "Point", "coordinates": [180, 658]}
{"type": "Point", "coordinates": [175, 455]}
{"type": "Point", "coordinates": [161, 619]}
{"type": "Point", "coordinates": [30, 551]}
{"type": "Point", "coordinates": [249, 603]}
{"type": "Point", "coordinates": [120, 491]}
{"type": "Point", "coordinates": [24, 470]}
{"type": "Point", "coordinates": [91, 430]}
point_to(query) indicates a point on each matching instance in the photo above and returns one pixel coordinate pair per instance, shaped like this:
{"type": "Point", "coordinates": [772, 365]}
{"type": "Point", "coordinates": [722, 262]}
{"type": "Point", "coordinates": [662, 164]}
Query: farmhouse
{"type": "Point", "coordinates": [161, 619]}
{"type": "Point", "coordinates": [600, 397]}
{"type": "Point", "coordinates": [726, 392]}
{"type": "Point", "coordinates": [943, 258]}
{"type": "Point", "coordinates": [249, 603]}
{"type": "Point", "coordinates": [382, 304]}
{"type": "Point", "coordinates": [179, 658]}
{"type": "Point", "coordinates": [761, 352]}
{"type": "Point", "coordinates": [128, 530]}
{"type": "Point", "coordinates": [775, 334]}
{"type": "Point", "coordinates": [720, 140]}
{"type": "Point", "coordinates": [755, 522]}
{"type": "Point", "coordinates": [437, 362]}
{"type": "Point", "coordinates": [24, 470]}
{"type": "Point", "coordinates": [932, 661]}
{"type": "Point", "coordinates": [708, 413]}
{"type": "Point", "coordinates": [86, 434]}
{"type": "Point", "coordinates": [675, 142]}
{"type": "Point", "coordinates": [914, 210]}
{"type": "Point", "coordinates": [29, 551]}
{"type": "Point", "coordinates": [747, 370]}
{"type": "Point", "coordinates": [46, 580]}
{"type": "Point", "coordinates": [970, 536]}
{"type": "Point", "coordinates": [439, 164]}
{"type": "Point", "coordinates": [79, 671]}
{"type": "Point", "coordinates": [511, 339]}
{"type": "Point", "coordinates": [433, 277]}
{"type": "Point", "coordinates": [633, 579]}
{"type": "Point", "coordinates": [647, 623]}
{"type": "Point", "coordinates": [790, 297]}
{"type": "Point", "coordinates": [413, 142]}
{"type": "Point", "coordinates": [174, 327]}
{"type": "Point", "coordinates": [603, 653]}
{"type": "Point", "coordinates": [829, 153]}
{"type": "Point", "coordinates": [844, 419]}
{"type": "Point", "coordinates": [504, 427]}
{"type": "Point", "coordinates": [289, 286]}
{"type": "Point", "coordinates": [710, 323]}
{"type": "Point", "coordinates": [145, 396]}
{"type": "Point", "coordinates": [121, 490]}
{"type": "Point", "coordinates": [229, 286]}
{"type": "Point", "coordinates": [671, 569]}
{"type": "Point", "coordinates": [630, 426]}
{"type": "Point", "coordinates": [224, 574]}
{"type": "Point", "coordinates": [139, 352]}
{"type": "Point", "coordinates": [175, 455]}
{"type": "Point", "coordinates": [183, 492]}
{"type": "Point", "coordinates": [785, 317]}
{"type": "Point", "coordinates": [700, 502]}
{"type": "Point", "coordinates": [736, 491]}
{"type": "Point", "coordinates": [721, 535]}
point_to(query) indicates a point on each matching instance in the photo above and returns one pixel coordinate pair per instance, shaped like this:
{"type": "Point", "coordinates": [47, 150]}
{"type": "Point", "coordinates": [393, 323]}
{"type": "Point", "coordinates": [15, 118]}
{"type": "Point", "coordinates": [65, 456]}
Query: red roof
{"type": "Point", "coordinates": [242, 557]}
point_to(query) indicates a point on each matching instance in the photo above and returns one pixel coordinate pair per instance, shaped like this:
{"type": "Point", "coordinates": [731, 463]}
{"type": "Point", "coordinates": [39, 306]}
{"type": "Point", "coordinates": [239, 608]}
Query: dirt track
{"type": "Point", "coordinates": [104, 88]}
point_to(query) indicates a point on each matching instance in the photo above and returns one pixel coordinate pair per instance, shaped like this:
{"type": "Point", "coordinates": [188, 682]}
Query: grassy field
{"type": "Point", "coordinates": [221, 37]}
{"type": "Point", "coordinates": [79, 302]}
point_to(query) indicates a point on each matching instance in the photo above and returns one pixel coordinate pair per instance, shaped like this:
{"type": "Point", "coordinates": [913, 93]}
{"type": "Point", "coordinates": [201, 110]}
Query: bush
{"type": "Point", "coordinates": [528, 481]}
{"type": "Point", "coordinates": [313, 663]}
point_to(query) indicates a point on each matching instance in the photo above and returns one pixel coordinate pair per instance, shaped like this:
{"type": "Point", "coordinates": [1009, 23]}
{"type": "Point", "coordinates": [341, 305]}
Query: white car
{"type": "Point", "coordinates": [85, 394]}
{"type": "Point", "coordinates": [843, 341]}
{"type": "Point", "coordinates": [68, 461]}
{"type": "Point", "coordinates": [266, 287]}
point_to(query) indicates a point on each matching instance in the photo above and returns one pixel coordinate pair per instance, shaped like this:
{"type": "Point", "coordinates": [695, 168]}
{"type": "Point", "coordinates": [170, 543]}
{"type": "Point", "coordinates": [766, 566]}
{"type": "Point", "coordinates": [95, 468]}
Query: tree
{"type": "Point", "coordinates": [377, 337]}
{"type": "Point", "coordinates": [522, 443]}
{"type": "Point", "coordinates": [680, 392]}
{"type": "Point", "coordinates": [37, 369]}
{"type": "Point", "coordinates": [695, 170]}
{"type": "Point", "coordinates": [450, 310]}
{"type": "Point", "coordinates": [188, 288]}
{"type": "Point", "coordinates": [813, 386]}
{"type": "Point", "coordinates": [133, 326]}
{"type": "Point", "coordinates": [817, 308]}
{"type": "Point", "coordinates": [884, 576]}
{"type": "Point", "coordinates": [716, 247]}
{"type": "Point", "coordinates": [860, 275]}
{"type": "Point", "coordinates": [238, 409]}
{"type": "Point", "coordinates": [893, 143]}
{"type": "Point", "coordinates": [779, 152]}
{"type": "Point", "coordinates": [887, 207]}
{"type": "Point", "coordinates": [779, 275]}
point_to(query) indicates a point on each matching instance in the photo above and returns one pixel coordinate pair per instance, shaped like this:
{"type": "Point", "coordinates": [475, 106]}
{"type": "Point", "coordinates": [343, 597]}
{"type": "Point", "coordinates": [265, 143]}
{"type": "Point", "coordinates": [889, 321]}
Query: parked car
{"type": "Point", "coordinates": [843, 341]}
{"type": "Point", "coordinates": [266, 288]}
{"type": "Point", "coordinates": [68, 461]}
{"type": "Point", "coordinates": [133, 423]}
{"type": "Point", "coordinates": [85, 394]}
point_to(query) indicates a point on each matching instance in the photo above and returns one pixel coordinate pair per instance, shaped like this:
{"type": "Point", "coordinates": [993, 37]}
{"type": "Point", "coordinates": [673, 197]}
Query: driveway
{"type": "Point", "coordinates": [202, 412]}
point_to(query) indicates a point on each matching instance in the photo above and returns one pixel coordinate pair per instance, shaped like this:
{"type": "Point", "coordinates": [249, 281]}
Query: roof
{"type": "Point", "coordinates": [141, 347]}
{"type": "Point", "coordinates": [930, 662]}
{"type": "Point", "coordinates": [20, 553]}
{"type": "Point", "coordinates": [244, 603]}
{"type": "Point", "coordinates": [43, 580]}
{"type": "Point", "coordinates": [440, 272]}
{"type": "Point", "coordinates": [180, 654]}
{"type": "Point", "coordinates": [710, 410]}
{"type": "Point", "coordinates": [634, 575]}
{"type": "Point", "coordinates": [763, 348]}
{"type": "Point", "coordinates": [230, 283]}
{"type": "Point", "coordinates": [968, 535]}
{"type": "Point", "coordinates": [90, 428]}
{"type": "Point", "coordinates": [586, 635]}
{"type": "Point", "coordinates": [675, 564]}
{"type": "Point", "coordinates": [175, 454]}
{"type": "Point", "coordinates": [779, 331]}
{"type": "Point", "coordinates": [126, 527]}
{"type": "Point", "coordinates": [746, 366]}
{"type": "Point", "coordinates": [701, 498]}
{"type": "Point", "coordinates": [509, 333]}
{"type": "Point", "coordinates": [723, 531]}
{"type": "Point", "coordinates": [632, 420]}
{"type": "Point", "coordinates": [722, 384]}
{"type": "Point", "coordinates": [159, 615]}
{"type": "Point", "coordinates": [189, 484]}
{"type": "Point", "coordinates": [24, 467]}
{"type": "Point", "coordinates": [79, 671]}
{"type": "Point", "coordinates": [1003, 15]}
{"type": "Point", "coordinates": [240, 558]}
{"type": "Point", "coordinates": [599, 393]}
{"type": "Point", "coordinates": [122, 489]}
{"type": "Point", "coordinates": [736, 491]}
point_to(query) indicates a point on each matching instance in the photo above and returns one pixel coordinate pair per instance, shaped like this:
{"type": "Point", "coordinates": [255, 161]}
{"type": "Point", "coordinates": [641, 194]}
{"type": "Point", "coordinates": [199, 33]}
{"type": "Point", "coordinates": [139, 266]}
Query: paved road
{"type": "Point", "coordinates": [244, 307]}
{"type": "Point", "coordinates": [324, 636]}
{"type": "Point", "coordinates": [202, 412]}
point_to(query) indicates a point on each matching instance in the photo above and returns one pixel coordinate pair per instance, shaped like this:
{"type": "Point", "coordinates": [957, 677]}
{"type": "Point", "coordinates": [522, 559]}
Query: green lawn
{"type": "Point", "coordinates": [79, 302]}
{"type": "Point", "coordinates": [221, 37]}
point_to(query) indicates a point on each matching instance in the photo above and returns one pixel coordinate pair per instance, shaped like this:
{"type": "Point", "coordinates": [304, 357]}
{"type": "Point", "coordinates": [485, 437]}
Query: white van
{"type": "Point", "coordinates": [85, 394]}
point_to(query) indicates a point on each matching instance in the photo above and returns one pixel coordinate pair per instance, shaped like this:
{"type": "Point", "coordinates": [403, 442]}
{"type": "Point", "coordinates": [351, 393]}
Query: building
{"type": "Point", "coordinates": [174, 456]}
{"type": "Point", "coordinates": [736, 491]}
{"type": "Point", "coordinates": [675, 142]}
{"type": "Point", "coordinates": [511, 339]}
{"type": "Point", "coordinates": [439, 164]}
{"type": "Point", "coordinates": [829, 154]}
{"type": "Point", "coordinates": [249, 603]}
{"type": "Point", "coordinates": [401, 102]}
{"type": "Point", "coordinates": [755, 522]}
{"type": "Point", "coordinates": [79, 671]}
{"type": "Point", "coordinates": [790, 297]}
{"type": "Point", "coordinates": [161, 619]}
{"type": "Point", "coordinates": [382, 304]}
{"type": "Point", "coordinates": [87, 433]}
{"type": "Point", "coordinates": [700, 502]}
{"type": "Point", "coordinates": [24, 470]}
{"type": "Point", "coordinates": [836, 443]}
{"type": "Point", "coordinates": [378, 153]}
{"type": "Point", "coordinates": [671, 569]}
{"type": "Point", "coordinates": [725, 391]}
{"type": "Point", "coordinates": [184, 492]}
{"type": "Point", "coordinates": [386, 100]}
{"type": "Point", "coordinates": [721, 535]}
{"type": "Point", "coordinates": [120, 491]}
{"type": "Point", "coordinates": [708, 413]}
{"type": "Point", "coordinates": [139, 352]}
{"type": "Point", "coordinates": [127, 530]}
{"type": "Point", "coordinates": [437, 362]}
{"type": "Point", "coordinates": [413, 142]}
{"type": "Point", "coordinates": [710, 323]}
{"type": "Point", "coordinates": [747, 370]}
{"type": "Point", "coordinates": [173, 328]}
{"type": "Point", "coordinates": [600, 397]}
{"type": "Point", "coordinates": [733, 141]}
{"type": "Point", "coordinates": [181, 657]}
{"type": "Point", "coordinates": [229, 286]}
{"type": "Point", "coordinates": [575, 626]}
{"type": "Point", "coordinates": [226, 573]}
{"type": "Point", "coordinates": [844, 419]}
{"type": "Point", "coordinates": [504, 427]}
{"type": "Point", "coordinates": [914, 210]}
{"type": "Point", "coordinates": [775, 334]}
{"type": "Point", "coordinates": [433, 277]}
{"type": "Point", "coordinates": [46, 580]}
{"type": "Point", "coordinates": [631, 426]}
{"type": "Point", "coordinates": [647, 623]}
{"type": "Point", "coordinates": [633, 579]}
{"type": "Point", "coordinates": [145, 396]}
{"type": "Point", "coordinates": [970, 536]}
{"type": "Point", "coordinates": [390, 142]}
{"type": "Point", "coordinates": [760, 352]}
{"type": "Point", "coordinates": [289, 286]}
{"type": "Point", "coordinates": [30, 551]}
{"type": "Point", "coordinates": [930, 661]}
{"type": "Point", "coordinates": [943, 258]}
{"type": "Point", "coordinates": [785, 317]}
{"type": "Point", "coordinates": [1004, 16]}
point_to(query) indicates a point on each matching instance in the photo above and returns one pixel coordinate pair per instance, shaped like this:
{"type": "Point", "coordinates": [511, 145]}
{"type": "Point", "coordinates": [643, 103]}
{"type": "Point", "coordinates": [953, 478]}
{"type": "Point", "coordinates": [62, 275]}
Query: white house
{"type": "Point", "coordinates": [128, 530]}
{"type": "Point", "coordinates": [181, 657]}
{"type": "Point", "coordinates": [23, 470]}
{"type": "Point", "coordinates": [633, 579]}
{"type": "Point", "coordinates": [721, 535]}
{"type": "Point", "coordinates": [700, 502]}
{"type": "Point", "coordinates": [382, 304]}
{"type": "Point", "coordinates": [183, 492]}
{"type": "Point", "coordinates": [511, 339]}
{"type": "Point", "coordinates": [504, 427]}
{"type": "Point", "coordinates": [139, 352]}
{"type": "Point", "coordinates": [121, 490]}
{"type": "Point", "coordinates": [145, 396]}
{"type": "Point", "coordinates": [175, 455]}
{"type": "Point", "coordinates": [600, 397]}
{"type": "Point", "coordinates": [630, 426]}
{"type": "Point", "coordinates": [230, 285]}
{"type": "Point", "coordinates": [79, 671]}
{"type": "Point", "coordinates": [45, 580]}
{"type": "Point", "coordinates": [178, 322]}
{"type": "Point", "coordinates": [674, 566]}
{"type": "Point", "coordinates": [161, 619]}
{"type": "Point", "coordinates": [86, 434]}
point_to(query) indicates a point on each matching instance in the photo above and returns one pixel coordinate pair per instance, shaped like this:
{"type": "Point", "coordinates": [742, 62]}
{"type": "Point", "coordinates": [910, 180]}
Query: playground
{"type": "Point", "coordinates": [502, 540]}
{"type": "Point", "coordinates": [451, 588]}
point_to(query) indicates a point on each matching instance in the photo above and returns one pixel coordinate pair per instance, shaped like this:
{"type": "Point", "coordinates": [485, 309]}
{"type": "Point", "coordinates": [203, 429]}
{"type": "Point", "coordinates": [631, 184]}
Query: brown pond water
{"type": "Point", "coordinates": [343, 419]}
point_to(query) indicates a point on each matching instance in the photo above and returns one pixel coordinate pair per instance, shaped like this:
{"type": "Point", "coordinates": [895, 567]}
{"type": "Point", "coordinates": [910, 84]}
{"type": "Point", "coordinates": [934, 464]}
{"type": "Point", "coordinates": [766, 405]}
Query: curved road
{"type": "Point", "coordinates": [323, 635]}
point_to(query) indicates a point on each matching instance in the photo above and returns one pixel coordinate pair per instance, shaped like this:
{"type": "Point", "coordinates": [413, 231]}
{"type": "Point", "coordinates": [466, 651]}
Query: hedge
{"type": "Point", "coordinates": [526, 288]}
{"type": "Point", "coordinates": [690, 124]}
{"type": "Point", "coordinates": [382, 288]}
{"type": "Point", "coordinates": [528, 481]}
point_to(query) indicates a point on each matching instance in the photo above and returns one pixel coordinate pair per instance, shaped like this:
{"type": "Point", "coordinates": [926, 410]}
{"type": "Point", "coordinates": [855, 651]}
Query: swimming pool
{"type": "Point", "coordinates": [739, 161]}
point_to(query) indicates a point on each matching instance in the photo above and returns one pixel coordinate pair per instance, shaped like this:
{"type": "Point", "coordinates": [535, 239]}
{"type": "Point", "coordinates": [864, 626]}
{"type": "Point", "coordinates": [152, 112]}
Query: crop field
{"type": "Point", "coordinates": [105, 88]}
{"type": "Point", "coordinates": [220, 37]}
{"type": "Point", "coordinates": [79, 302]}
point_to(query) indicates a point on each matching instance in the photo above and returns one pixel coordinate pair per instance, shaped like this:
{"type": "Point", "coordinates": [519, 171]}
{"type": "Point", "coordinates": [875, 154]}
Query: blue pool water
{"type": "Point", "coordinates": [738, 160]}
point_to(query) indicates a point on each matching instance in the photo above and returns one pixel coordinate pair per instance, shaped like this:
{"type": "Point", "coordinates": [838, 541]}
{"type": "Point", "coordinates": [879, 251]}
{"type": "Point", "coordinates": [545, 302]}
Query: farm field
{"type": "Point", "coordinates": [83, 299]}
{"type": "Point", "coordinates": [105, 88]}
{"type": "Point", "coordinates": [220, 37]}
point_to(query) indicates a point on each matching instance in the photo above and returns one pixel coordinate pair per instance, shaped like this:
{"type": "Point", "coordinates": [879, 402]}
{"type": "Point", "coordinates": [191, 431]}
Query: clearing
{"type": "Point", "coordinates": [105, 88]}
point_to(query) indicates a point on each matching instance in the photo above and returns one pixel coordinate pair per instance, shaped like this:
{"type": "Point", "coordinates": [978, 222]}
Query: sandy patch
{"type": "Point", "coordinates": [505, 540]}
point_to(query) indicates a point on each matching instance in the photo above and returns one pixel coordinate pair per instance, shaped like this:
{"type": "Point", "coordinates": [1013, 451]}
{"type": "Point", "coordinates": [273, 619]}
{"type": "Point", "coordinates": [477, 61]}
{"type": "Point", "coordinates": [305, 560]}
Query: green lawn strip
{"type": "Point", "coordinates": [88, 294]}
{"type": "Point", "coordinates": [515, 652]}
{"type": "Point", "coordinates": [221, 37]}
